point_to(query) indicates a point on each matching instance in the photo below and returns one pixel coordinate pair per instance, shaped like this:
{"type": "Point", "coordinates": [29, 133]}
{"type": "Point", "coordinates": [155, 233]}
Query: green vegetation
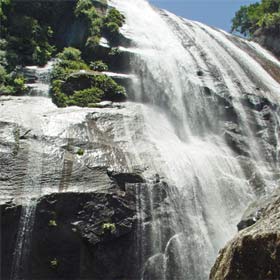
{"type": "Point", "coordinates": [98, 66]}
{"type": "Point", "coordinates": [52, 223]}
{"type": "Point", "coordinates": [80, 152]}
{"type": "Point", "coordinates": [112, 23]}
{"type": "Point", "coordinates": [75, 84]}
{"type": "Point", "coordinates": [109, 227]}
{"type": "Point", "coordinates": [264, 16]}
{"type": "Point", "coordinates": [54, 263]}
{"type": "Point", "coordinates": [32, 33]}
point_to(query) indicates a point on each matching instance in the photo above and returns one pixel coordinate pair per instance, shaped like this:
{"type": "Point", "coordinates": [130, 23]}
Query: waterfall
{"type": "Point", "coordinates": [201, 126]}
{"type": "Point", "coordinates": [195, 83]}
{"type": "Point", "coordinates": [31, 186]}
{"type": "Point", "coordinates": [39, 79]}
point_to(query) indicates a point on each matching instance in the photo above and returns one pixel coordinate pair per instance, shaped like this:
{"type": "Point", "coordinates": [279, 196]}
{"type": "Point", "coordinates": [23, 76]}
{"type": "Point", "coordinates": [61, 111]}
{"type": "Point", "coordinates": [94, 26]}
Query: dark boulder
{"type": "Point", "coordinates": [89, 234]}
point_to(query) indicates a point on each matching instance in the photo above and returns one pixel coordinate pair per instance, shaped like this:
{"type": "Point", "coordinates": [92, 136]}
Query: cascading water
{"type": "Point", "coordinates": [31, 186]}
{"type": "Point", "coordinates": [203, 119]}
{"type": "Point", "coordinates": [40, 79]}
{"type": "Point", "coordinates": [193, 80]}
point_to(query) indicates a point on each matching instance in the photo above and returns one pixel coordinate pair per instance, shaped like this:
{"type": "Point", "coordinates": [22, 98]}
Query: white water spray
{"type": "Point", "coordinates": [177, 61]}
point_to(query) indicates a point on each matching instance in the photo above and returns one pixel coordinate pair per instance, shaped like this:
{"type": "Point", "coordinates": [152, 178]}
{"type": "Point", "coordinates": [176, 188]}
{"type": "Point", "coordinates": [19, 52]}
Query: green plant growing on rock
{"type": "Point", "coordinates": [54, 263]}
{"type": "Point", "coordinates": [70, 54]}
{"type": "Point", "coordinates": [72, 87]}
{"type": "Point", "coordinates": [52, 223]}
{"type": "Point", "coordinates": [99, 65]}
{"type": "Point", "coordinates": [82, 7]}
{"type": "Point", "coordinates": [112, 23]}
{"type": "Point", "coordinates": [11, 84]}
{"type": "Point", "coordinates": [109, 227]}
{"type": "Point", "coordinates": [91, 45]}
{"type": "Point", "coordinates": [31, 34]}
{"type": "Point", "coordinates": [114, 51]}
{"type": "Point", "coordinates": [19, 84]}
{"type": "Point", "coordinates": [84, 97]}
{"type": "Point", "coordinates": [80, 152]}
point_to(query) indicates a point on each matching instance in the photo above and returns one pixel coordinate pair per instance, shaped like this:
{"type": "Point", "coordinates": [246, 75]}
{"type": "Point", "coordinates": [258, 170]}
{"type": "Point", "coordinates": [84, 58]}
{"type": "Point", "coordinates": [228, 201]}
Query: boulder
{"type": "Point", "coordinates": [255, 252]}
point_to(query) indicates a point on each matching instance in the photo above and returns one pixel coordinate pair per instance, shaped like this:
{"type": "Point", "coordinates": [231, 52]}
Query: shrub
{"type": "Point", "coordinates": [112, 23]}
{"type": "Point", "coordinates": [18, 84]}
{"type": "Point", "coordinates": [52, 223]}
{"type": "Point", "coordinates": [109, 227]}
{"type": "Point", "coordinates": [92, 43]}
{"type": "Point", "coordinates": [54, 263]}
{"type": "Point", "coordinates": [111, 29]}
{"type": "Point", "coordinates": [84, 97]}
{"type": "Point", "coordinates": [3, 44]}
{"type": "Point", "coordinates": [114, 51]}
{"type": "Point", "coordinates": [59, 99]}
{"type": "Point", "coordinates": [7, 90]}
{"type": "Point", "coordinates": [82, 7]}
{"type": "Point", "coordinates": [42, 55]}
{"type": "Point", "coordinates": [3, 59]}
{"type": "Point", "coordinates": [99, 65]}
{"type": "Point", "coordinates": [84, 89]}
{"type": "Point", "coordinates": [70, 54]}
{"type": "Point", "coordinates": [65, 67]}
{"type": "Point", "coordinates": [91, 14]}
{"type": "Point", "coordinates": [3, 74]}
{"type": "Point", "coordinates": [30, 34]}
{"type": "Point", "coordinates": [112, 91]}
{"type": "Point", "coordinates": [115, 16]}
{"type": "Point", "coordinates": [96, 26]}
{"type": "Point", "coordinates": [264, 15]}
{"type": "Point", "coordinates": [80, 152]}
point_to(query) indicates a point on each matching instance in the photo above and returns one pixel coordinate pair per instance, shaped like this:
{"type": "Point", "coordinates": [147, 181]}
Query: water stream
{"type": "Point", "coordinates": [191, 88]}
{"type": "Point", "coordinates": [185, 68]}
{"type": "Point", "coordinates": [31, 183]}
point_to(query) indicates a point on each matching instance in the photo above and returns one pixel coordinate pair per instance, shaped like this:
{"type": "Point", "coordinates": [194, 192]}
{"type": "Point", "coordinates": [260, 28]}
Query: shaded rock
{"type": "Point", "coordinates": [255, 210]}
{"type": "Point", "coordinates": [122, 178]}
{"type": "Point", "coordinates": [10, 217]}
{"type": "Point", "coordinates": [80, 236]}
{"type": "Point", "coordinates": [268, 40]}
{"type": "Point", "coordinates": [255, 252]}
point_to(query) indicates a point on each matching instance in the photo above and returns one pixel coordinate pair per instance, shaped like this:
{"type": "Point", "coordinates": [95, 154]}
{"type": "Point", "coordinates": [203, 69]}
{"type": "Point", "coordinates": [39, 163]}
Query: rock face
{"type": "Point", "coordinates": [84, 188]}
{"type": "Point", "coordinates": [269, 41]}
{"type": "Point", "coordinates": [89, 235]}
{"type": "Point", "coordinates": [81, 235]}
{"type": "Point", "coordinates": [77, 212]}
{"type": "Point", "coordinates": [255, 252]}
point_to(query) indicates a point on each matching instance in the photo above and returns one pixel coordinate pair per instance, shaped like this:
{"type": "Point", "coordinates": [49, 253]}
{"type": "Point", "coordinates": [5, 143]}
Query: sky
{"type": "Point", "coordinates": [217, 13]}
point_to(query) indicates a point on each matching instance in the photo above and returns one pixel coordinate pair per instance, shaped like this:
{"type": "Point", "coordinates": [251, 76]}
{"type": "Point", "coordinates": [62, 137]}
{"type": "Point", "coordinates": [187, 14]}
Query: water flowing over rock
{"type": "Point", "coordinates": [148, 189]}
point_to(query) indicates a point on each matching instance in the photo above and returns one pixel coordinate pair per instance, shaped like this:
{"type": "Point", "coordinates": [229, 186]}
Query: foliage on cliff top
{"type": "Point", "coordinates": [32, 32]}
{"type": "Point", "coordinates": [264, 15]}
{"type": "Point", "coordinates": [75, 84]}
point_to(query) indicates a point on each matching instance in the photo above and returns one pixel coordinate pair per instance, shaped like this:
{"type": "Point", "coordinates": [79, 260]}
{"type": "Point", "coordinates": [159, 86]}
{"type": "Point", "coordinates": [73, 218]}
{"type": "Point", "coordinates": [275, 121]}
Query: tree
{"type": "Point", "coordinates": [264, 15]}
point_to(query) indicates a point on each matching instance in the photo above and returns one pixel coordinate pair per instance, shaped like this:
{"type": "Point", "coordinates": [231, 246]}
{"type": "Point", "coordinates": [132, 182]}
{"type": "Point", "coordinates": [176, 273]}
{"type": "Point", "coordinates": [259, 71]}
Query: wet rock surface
{"type": "Point", "coordinates": [255, 252]}
{"type": "Point", "coordinates": [76, 165]}
{"type": "Point", "coordinates": [90, 235]}
{"type": "Point", "coordinates": [10, 216]}
{"type": "Point", "coordinates": [103, 210]}
{"type": "Point", "coordinates": [83, 235]}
